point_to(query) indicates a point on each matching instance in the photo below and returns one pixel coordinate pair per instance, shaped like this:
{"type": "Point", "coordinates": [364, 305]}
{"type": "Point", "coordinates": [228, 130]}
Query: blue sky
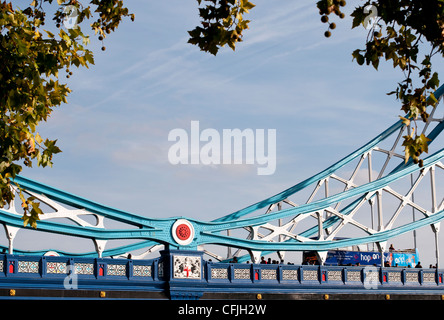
{"type": "Point", "coordinates": [285, 75]}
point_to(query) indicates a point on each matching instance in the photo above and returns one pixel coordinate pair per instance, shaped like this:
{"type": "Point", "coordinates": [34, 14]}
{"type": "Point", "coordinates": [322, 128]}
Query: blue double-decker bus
{"type": "Point", "coordinates": [341, 257]}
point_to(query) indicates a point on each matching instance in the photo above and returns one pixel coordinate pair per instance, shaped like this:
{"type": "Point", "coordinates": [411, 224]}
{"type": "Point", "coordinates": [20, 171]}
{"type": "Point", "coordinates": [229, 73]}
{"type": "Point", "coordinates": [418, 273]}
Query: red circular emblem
{"type": "Point", "coordinates": [183, 231]}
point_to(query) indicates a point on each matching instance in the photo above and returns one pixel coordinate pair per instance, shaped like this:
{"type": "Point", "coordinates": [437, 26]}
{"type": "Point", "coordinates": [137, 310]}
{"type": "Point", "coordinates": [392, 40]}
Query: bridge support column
{"type": "Point", "coordinates": [435, 228]}
{"type": "Point", "coordinates": [183, 271]}
{"type": "Point", "coordinates": [11, 233]}
{"type": "Point", "coordinates": [100, 246]}
{"type": "Point", "coordinates": [322, 257]}
{"type": "Point", "coordinates": [382, 246]}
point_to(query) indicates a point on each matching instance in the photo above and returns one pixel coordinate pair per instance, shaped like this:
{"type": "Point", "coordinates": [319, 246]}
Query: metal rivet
{"type": "Point", "coordinates": [12, 292]}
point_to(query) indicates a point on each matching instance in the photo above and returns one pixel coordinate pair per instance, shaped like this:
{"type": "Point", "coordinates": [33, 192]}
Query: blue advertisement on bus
{"type": "Point", "coordinates": [393, 259]}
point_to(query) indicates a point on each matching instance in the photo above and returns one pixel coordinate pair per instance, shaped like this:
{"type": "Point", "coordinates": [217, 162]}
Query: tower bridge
{"type": "Point", "coordinates": [365, 199]}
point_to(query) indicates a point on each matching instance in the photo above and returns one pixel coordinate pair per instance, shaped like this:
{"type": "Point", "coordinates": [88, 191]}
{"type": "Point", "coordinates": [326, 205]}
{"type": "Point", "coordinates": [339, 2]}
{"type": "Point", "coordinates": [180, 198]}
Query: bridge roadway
{"type": "Point", "coordinates": [185, 275]}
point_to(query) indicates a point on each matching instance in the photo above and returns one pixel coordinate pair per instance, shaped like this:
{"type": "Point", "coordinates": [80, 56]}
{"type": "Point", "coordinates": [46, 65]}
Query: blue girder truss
{"type": "Point", "coordinates": [253, 230]}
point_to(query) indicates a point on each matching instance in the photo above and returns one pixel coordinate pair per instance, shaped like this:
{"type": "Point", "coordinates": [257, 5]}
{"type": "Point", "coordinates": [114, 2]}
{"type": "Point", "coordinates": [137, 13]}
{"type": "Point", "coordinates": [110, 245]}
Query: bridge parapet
{"type": "Point", "coordinates": [80, 270]}
{"type": "Point", "coordinates": [185, 275]}
{"type": "Point", "coordinates": [302, 275]}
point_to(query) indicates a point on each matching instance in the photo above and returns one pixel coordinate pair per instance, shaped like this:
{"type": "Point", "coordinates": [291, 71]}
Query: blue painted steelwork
{"type": "Point", "coordinates": [71, 275]}
{"type": "Point", "coordinates": [159, 231]}
{"type": "Point", "coordinates": [65, 273]}
{"type": "Point", "coordinates": [147, 232]}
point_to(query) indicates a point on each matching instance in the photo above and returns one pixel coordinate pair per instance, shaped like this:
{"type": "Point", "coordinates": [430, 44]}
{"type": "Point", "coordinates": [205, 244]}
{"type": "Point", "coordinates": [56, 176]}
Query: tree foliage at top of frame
{"type": "Point", "coordinates": [33, 59]}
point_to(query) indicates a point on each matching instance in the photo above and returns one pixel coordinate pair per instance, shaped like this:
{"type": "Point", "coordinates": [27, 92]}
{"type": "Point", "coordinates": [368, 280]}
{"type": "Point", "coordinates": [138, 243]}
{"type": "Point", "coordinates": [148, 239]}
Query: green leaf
{"type": "Point", "coordinates": [358, 56]}
{"type": "Point", "coordinates": [405, 121]}
{"type": "Point", "coordinates": [38, 138]}
{"type": "Point", "coordinates": [434, 81]}
{"type": "Point", "coordinates": [358, 17]}
{"type": "Point", "coordinates": [422, 143]}
{"type": "Point", "coordinates": [246, 5]}
{"type": "Point", "coordinates": [432, 100]}
{"type": "Point", "coordinates": [50, 34]}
